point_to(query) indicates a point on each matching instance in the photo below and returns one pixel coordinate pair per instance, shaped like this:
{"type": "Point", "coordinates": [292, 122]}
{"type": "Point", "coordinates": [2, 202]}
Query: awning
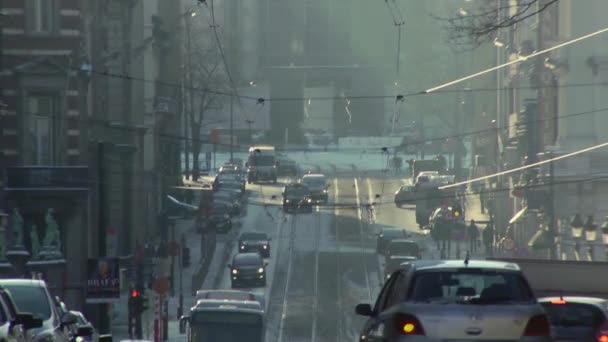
{"type": "Point", "coordinates": [518, 216]}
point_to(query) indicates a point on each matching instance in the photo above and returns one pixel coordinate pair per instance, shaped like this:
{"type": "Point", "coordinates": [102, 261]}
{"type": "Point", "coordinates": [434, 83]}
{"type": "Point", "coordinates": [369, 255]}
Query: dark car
{"type": "Point", "coordinates": [287, 167]}
{"type": "Point", "coordinates": [219, 218]}
{"type": "Point", "coordinates": [455, 300]}
{"type": "Point", "coordinates": [232, 200]}
{"type": "Point", "coordinates": [387, 234]}
{"type": "Point", "coordinates": [232, 173]}
{"type": "Point", "coordinates": [574, 318]}
{"type": "Point", "coordinates": [297, 198]}
{"type": "Point", "coordinates": [317, 183]}
{"type": "Point", "coordinates": [247, 268]}
{"type": "Point", "coordinates": [403, 247]}
{"type": "Point", "coordinates": [32, 296]}
{"type": "Point", "coordinates": [255, 242]}
{"type": "Point", "coordinates": [405, 195]}
{"type": "Point", "coordinates": [227, 184]}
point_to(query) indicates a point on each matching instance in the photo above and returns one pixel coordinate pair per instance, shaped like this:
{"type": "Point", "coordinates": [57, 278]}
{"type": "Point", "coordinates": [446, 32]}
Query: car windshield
{"type": "Point", "coordinates": [574, 315]}
{"type": "Point", "coordinates": [262, 160]}
{"type": "Point", "coordinates": [296, 192]}
{"type": "Point", "coordinates": [254, 236]}
{"type": "Point", "coordinates": [314, 182]}
{"type": "Point", "coordinates": [31, 299]}
{"type": "Point", "coordinates": [247, 260]}
{"type": "Point", "coordinates": [404, 248]}
{"type": "Point", "coordinates": [392, 233]}
{"type": "Point", "coordinates": [470, 286]}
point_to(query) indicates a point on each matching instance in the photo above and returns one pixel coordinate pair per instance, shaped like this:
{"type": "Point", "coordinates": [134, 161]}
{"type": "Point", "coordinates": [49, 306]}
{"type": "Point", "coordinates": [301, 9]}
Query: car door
{"type": "Point", "coordinates": [374, 329]}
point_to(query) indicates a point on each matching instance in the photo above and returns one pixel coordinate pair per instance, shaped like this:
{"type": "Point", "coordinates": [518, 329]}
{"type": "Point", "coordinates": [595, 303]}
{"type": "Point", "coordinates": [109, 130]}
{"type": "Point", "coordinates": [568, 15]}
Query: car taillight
{"type": "Point", "coordinates": [538, 326]}
{"type": "Point", "coordinates": [408, 325]}
{"type": "Point", "coordinates": [602, 334]}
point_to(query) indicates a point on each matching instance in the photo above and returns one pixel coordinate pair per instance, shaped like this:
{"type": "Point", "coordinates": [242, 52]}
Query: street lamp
{"type": "Point", "coordinates": [577, 226]}
{"type": "Point", "coordinates": [590, 229]}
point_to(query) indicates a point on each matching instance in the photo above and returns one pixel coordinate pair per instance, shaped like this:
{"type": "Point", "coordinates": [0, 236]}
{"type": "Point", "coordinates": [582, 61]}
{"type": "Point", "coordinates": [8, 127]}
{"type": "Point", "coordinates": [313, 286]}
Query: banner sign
{"type": "Point", "coordinates": [103, 280]}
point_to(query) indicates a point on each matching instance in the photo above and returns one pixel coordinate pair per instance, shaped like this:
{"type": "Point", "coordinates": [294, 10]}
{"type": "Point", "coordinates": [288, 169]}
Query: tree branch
{"type": "Point", "coordinates": [471, 30]}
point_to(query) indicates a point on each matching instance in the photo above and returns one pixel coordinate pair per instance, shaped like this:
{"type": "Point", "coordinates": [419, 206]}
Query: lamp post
{"type": "Point", "coordinates": [605, 236]}
{"type": "Point", "coordinates": [590, 234]}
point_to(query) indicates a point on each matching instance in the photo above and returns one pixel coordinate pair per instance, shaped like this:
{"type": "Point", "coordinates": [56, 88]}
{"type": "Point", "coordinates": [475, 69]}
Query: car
{"type": "Point", "coordinates": [229, 184]}
{"type": "Point", "coordinates": [403, 247]}
{"type": "Point", "coordinates": [386, 234]}
{"type": "Point", "coordinates": [33, 296]}
{"type": "Point", "coordinates": [232, 200]}
{"type": "Point", "coordinates": [455, 300]}
{"type": "Point", "coordinates": [232, 173]}
{"type": "Point", "coordinates": [256, 242]}
{"type": "Point", "coordinates": [317, 183]}
{"type": "Point", "coordinates": [396, 262]}
{"type": "Point", "coordinates": [425, 176]}
{"type": "Point", "coordinates": [405, 195]}
{"type": "Point", "coordinates": [84, 328]}
{"type": "Point", "coordinates": [247, 268]}
{"type": "Point", "coordinates": [286, 167]}
{"type": "Point", "coordinates": [577, 318]}
{"type": "Point", "coordinates": [297, 198]}
{"type": "Point", "coordinates": [231, 295]}
{"type": "Point", "coordinates": [219, 217]}
{"type": "Point", "coordinates": [14, 325]}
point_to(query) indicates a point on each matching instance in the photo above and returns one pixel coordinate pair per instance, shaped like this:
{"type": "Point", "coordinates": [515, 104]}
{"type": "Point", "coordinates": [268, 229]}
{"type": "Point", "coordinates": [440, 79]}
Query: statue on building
{"type": "Point", "coordinates": [35, 241]}
{"type": "Point", "coordinates": [51, 246]}
{"type": "Point", "coordinates": [17, 228]}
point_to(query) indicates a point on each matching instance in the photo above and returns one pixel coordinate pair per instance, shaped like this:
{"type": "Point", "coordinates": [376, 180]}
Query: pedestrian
{"type": "Point", "coordinates": [482, 199]}
{"type": "Point", "coordinates": [473, 234]}
{"type": "Point", "coordinates": [488, 238]}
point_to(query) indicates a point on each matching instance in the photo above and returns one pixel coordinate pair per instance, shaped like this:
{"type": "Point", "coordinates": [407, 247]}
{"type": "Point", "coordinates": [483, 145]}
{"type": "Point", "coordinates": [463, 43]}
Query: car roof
{"type": "Point", "coordinates": [392, 230]}
{"type": "Point", "coordinates": [228, 305]}
{"type": "Point", "coordinates": [225, 295]}
{"type": "Point", "coordinates": [403, 257]}
{"type": "Point", "coordinates": [577, 299]}
{"type": "Point", "coordinates": [396, 241]}
{"type": "Point", "coordinates": [22, 282]}
{"type": "Point", "coordinates": [313, 175]}
{"type": "Point", "coordinates": [438, 265]}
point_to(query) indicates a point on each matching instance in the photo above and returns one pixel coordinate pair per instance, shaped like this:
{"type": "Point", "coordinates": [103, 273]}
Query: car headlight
{"type": "Point", "coordinates": [242, 247]}
{"type": "Point", "coordinates": [265, 246]}
{"type": "Point", "coordinates": [308, 200]}
{"type": "Point", "coordinates": [324, 190]}
{"type": "Point", "coordinates": [286, 201]}
{"type": "Point", "coordinates": [235, 271]}
{"type": "Point", "coordinates": [261, 270]}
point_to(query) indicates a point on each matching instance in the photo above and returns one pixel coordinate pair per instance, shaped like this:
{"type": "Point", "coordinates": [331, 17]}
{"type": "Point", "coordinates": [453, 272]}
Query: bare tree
{"type": "Point", "coordinates": [207, 79]}
{"type": "Point", "coordinates": [473, 27]}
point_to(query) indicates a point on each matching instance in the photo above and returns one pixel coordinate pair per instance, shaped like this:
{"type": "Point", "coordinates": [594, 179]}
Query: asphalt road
{"type": "Point", "coordinates": [323, 264]}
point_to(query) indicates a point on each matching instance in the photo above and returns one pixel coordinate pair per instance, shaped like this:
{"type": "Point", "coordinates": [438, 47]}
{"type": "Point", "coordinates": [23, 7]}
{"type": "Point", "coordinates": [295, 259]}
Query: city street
{"type": "Point", "coordinates": [321, 264]}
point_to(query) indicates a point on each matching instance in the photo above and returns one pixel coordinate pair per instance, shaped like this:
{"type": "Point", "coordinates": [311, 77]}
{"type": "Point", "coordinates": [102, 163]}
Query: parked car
{"type": "Point", "coordinates": [456, 300]}
{"type": "Point", "coordinates": [386, 234]}
{"type": "Point", "coordinates": [256, 242]}
{"type": "Point", "coordinates": [219, 217]}
{"type": "Point", "coordinates": [247, 268]}
{"type": "Point", "coordinates": [32, 296]}
{"type": "Point", "coordinates": [574, 318]}
{"type": "Point", "coordinates": [403, 247]}
{"type": "Point", "coordinates": [405, 195]}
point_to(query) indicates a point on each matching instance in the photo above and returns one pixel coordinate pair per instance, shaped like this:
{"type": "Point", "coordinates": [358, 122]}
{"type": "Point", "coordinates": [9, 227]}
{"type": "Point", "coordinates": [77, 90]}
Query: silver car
{"type": "Point", "coordinates": [456, 300]}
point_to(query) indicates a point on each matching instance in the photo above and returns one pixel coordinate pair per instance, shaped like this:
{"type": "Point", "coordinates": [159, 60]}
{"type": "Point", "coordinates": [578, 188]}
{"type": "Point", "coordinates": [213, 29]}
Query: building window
{"type": "Point", "coordinates": [40, 129]}
{"type": "Point", "coordinates": [41, 16]}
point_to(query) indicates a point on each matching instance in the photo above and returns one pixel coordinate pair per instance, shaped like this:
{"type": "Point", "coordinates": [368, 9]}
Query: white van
{"type": "Point", "coordinates": [261, 164]}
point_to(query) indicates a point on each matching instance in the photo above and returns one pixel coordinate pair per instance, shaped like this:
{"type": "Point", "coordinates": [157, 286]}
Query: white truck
{"type": "Point", "coordinates": [261, 164]}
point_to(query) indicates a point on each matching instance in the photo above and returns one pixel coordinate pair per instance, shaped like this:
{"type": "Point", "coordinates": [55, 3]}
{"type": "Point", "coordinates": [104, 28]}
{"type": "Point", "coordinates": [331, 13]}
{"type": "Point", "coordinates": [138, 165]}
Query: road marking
{"type": "Point", "coordinates": [338, 292]}
{"type": "Point", "coordinates": [289, 262]}
{"type": "Point", "coordinates": [316, 275]}
{"type": "Point", "coordinates": [277, 236]}
{"type": "Point", "coordinates": [371, 198]}
{"type": "Point", "coordinates": [361, 232]}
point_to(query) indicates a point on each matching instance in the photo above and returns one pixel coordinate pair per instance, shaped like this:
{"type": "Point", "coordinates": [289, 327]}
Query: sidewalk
{"type": "Point", "coordinates": [119, 314]}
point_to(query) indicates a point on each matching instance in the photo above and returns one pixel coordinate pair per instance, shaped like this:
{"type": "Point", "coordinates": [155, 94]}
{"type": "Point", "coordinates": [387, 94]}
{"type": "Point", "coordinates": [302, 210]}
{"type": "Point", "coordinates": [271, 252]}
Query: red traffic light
{"type": "Point", "coordinates": [135, 294]}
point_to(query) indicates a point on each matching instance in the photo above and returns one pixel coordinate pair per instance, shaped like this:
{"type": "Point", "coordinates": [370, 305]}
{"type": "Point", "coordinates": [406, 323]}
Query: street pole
{"type": "Point", "coordinates": [101, 229]}
{"type": "Point", "coordinates": [190, 85]}
{"type": "Point", "coordinates": [551, 211]}
{"type": "Point", "coordinates": [231, 127]}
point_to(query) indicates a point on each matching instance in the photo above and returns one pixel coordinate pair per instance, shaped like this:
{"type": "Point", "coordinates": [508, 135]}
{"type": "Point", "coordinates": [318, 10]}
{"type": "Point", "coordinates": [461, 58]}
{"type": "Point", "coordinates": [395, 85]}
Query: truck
{"type": "Point", "coordinates": [563, 277]}
{"type": "Point", "coordinates": [227, 320]}
{"type": "Point", "coordinates": [261, 164]}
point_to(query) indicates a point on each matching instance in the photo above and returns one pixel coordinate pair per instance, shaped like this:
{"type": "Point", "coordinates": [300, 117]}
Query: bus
{"type": "Point", "coordinates": [261, 164]}
{"type": "Point", "coordinates": [226, 320]}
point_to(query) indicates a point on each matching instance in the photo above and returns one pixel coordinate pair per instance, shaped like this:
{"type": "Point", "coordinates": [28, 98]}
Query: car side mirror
{"type": "Point", "coordinates": [27, 320]}
{"type": "Point", "coordinates": [105, 338]}
{"type": "Point", "coordinates": [182, 324]}
{"type": "Point", "coordinates": [68, 319]}
{"type": "Point", "coordinates": [85, 330]}
{"type": "Point", "coordinates": [364, 310]}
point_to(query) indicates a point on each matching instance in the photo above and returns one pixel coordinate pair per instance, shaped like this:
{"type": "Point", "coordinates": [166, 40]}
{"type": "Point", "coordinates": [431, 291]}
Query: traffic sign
{"type": "Point", "coordinates": [161, 285]}
{"type": "Point", "coordinates": [215, 136]}
{"type": "Point", "coordinates": [174, 248]}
